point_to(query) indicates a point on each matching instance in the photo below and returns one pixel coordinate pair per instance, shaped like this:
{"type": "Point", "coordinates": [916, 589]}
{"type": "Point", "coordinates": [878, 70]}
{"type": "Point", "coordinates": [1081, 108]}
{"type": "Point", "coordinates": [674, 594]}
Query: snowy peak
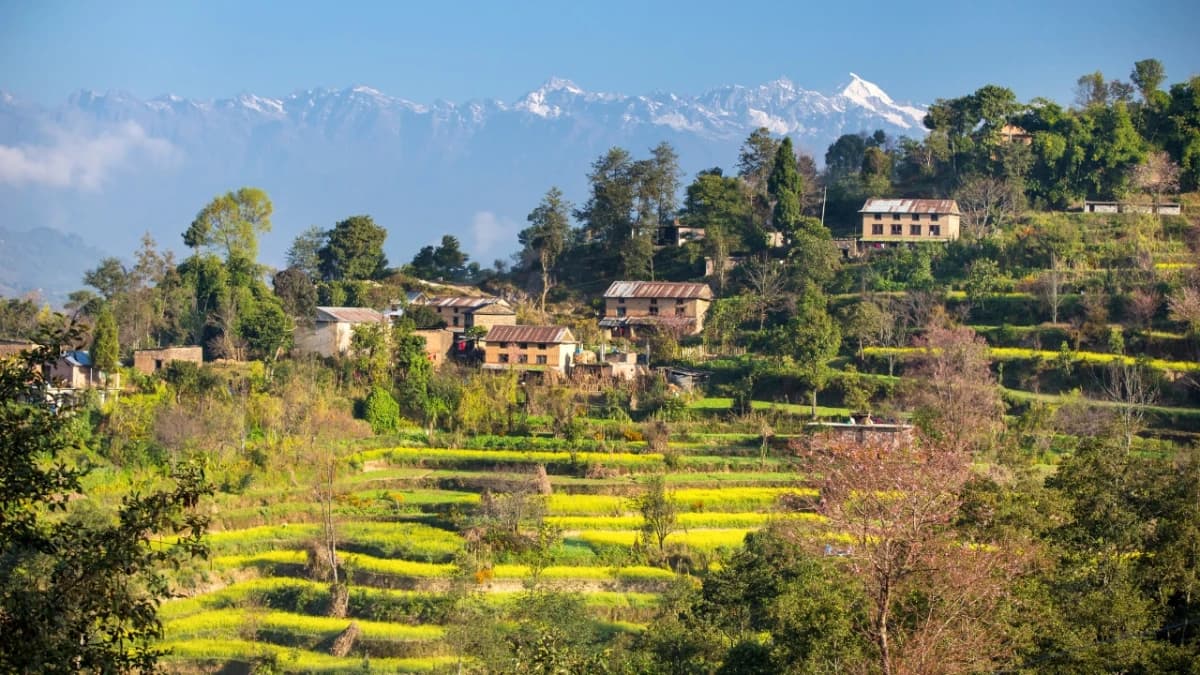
{"type": "Point", "coordinates": [870, 96]}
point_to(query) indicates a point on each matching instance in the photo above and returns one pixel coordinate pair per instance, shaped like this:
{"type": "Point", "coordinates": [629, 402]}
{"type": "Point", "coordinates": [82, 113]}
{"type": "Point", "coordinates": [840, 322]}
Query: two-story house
{"type": "Point", "coordinates": [545, 348]}
{"type": "Point", "coordinates": [889, 222]}
{"type": "Point", "coordinates": [461, 312]}
{"type": "Point", "coordinates": [332, 329]}
{"type": "Point", "coordinates": [678, 306]}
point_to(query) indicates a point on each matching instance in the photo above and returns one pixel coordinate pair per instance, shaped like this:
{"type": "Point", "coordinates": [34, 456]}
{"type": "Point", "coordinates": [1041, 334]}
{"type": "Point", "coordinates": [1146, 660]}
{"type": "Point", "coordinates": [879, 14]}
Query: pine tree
{"type": "Point", "coordinates": [106, 352]}
{"type": "Point", "coordinates": [785, 187]}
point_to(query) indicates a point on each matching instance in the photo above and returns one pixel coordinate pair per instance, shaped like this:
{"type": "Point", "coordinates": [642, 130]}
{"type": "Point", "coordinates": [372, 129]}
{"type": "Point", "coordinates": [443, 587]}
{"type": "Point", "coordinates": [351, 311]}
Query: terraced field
{"type": "Point", "coordinates": [406, 519]}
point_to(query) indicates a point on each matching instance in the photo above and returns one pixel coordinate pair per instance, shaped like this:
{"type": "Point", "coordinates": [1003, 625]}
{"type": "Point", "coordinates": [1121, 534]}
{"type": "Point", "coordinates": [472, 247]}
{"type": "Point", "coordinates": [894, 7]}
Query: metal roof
{"type": "Point", "coordinates": [658, 289]}
{"type": "Point", "coordinates": [462, 301]}
{"type": "Point", "coordinates": [500, 308]}
{"type": "Point", "coordinates": [78, 357]}
{"type": "Point", "coordinates": [547, 334]}
{"type": "Point", "coordinates": [939, 206]}
{"type": "Point", "coordinates": [348, 315]}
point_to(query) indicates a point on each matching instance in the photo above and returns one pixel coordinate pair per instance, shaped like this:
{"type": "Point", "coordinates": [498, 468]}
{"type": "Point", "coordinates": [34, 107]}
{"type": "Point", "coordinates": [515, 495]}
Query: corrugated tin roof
{"type": "Point", "coordinates": [495, 308]}
{"type": "Point", "coordinates": [547, 334]}
{"type": "Point", "coordinates": [78, 357]}
{"type": "Point", "coordinates": [939, 206]}
{"type": "Point", "coordinates": [348, 315]}
{"type": "Point", "coordinates": [462, 301]}
{"type": "Point", "coordinates": [658, 289]}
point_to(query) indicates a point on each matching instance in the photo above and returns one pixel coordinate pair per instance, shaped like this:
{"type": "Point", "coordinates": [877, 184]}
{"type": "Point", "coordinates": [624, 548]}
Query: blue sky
{"type": "Point", "coordinates": [917, 51]}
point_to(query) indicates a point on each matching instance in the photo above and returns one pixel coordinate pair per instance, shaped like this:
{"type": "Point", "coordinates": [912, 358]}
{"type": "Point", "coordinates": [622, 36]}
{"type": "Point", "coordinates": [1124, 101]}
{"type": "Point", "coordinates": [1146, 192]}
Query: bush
{"type": "Point", "coordinates": [382, 411]}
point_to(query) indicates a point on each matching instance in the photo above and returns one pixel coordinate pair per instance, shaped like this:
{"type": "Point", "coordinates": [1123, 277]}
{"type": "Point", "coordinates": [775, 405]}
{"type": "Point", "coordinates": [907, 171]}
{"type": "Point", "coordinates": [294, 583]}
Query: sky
{"type": "Point", "coordinates": [423, 51]}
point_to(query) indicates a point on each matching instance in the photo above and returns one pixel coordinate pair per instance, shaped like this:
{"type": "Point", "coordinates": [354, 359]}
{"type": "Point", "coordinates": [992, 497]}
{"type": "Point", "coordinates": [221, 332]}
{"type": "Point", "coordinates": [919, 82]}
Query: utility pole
{"type": "Point", "coordinates": [824, 195]}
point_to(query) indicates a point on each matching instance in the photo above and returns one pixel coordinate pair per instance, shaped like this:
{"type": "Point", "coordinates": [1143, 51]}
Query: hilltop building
{"type": "Point", "coordinates": [890, 222]}
{"type": "Point", "coordinates": [544, 348]}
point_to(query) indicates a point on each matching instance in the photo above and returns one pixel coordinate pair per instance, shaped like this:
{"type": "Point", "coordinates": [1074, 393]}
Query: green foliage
{"type": "Point", "coordinates": [381, 411]}
{"type": "Point", "coordinates": [105, 353]}
{"type": "Point", "coordinates": [231, 223]}
{"type": "Point", "coordinates": [353, 250]}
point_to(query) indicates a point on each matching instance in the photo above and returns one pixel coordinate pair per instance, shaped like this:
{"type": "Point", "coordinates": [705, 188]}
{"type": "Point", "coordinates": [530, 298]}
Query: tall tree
{"type": "Point", "coordinates": [106, 352]}
{"type": "Point", "coordinates": [1148, 76]}
{"type": "Point", "coordinates": [305, 252]}
{"type": "Point", "coordinates": [719, 205]}
{"type": "Point", "coordinates": [954, 395]}
{"type": "Point", "coordinates": [546, 237]}
{"type": "Point", "coordinates": [231, 223]}
{"type": "Point", "coordinates": [353, 250]}
{"type": "Point", "coordinates": [785, 188]}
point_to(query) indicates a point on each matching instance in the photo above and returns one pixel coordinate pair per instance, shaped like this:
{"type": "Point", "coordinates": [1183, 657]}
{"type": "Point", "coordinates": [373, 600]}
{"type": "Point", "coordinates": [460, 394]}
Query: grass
{"type": "Point", "coordinates": [1020, 353]}
{"type": "Point", "coordinates": [713, 404]}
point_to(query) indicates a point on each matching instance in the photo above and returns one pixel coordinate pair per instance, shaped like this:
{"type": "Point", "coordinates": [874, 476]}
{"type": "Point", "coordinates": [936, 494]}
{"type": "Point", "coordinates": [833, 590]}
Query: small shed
{"type": "Point", "coordinates": [150, 361]}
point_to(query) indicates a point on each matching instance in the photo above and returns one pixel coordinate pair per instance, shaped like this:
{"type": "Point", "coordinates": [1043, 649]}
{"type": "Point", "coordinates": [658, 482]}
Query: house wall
{"type": "Point", "coordinates": [558, 356]}
{"type": "Point", "coordinates": [322, 339]}
{"type": "Point", "coordinates": [70, 377]}
{"type": "Point", "coordinates": [949, 224]}
{"type": "Point", "coordinates": [147, 361]}
{"type": "Point", "coordinates": [693, 308]}
{"type": "Point", "coordinates": [438, 344]}
{"type": "Point", "coordinates": [489, 320]}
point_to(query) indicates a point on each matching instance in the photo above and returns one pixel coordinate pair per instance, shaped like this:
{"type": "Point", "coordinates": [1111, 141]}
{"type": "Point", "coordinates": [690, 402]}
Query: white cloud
{"type": "Point", "coordinates": [492, 236]}
{"type": "Point", "coordinates": [75, 160]}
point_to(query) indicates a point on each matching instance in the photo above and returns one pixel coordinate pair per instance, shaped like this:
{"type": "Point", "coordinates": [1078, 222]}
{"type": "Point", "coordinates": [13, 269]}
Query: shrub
{"type": "Point", "coordinates": [382, 411]}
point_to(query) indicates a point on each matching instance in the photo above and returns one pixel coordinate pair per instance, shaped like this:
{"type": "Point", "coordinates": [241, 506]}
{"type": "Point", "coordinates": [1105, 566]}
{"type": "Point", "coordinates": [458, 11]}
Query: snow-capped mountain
{"type": "Point", "coordinates": [109, 166]}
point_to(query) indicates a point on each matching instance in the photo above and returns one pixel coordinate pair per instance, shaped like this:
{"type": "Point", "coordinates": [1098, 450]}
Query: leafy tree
{"type": "Point", "coordinates": [79, 588]}
{"type": "Point", "coordinates": [110, 278]}
{"type": "Point", "coordinates": [757, 158]}
{"type": "Point", "coordinates": [231, 223]}
{"type": "Point", "coordinates": [657, 507]}
{"type": "Point", "coordinates": [955, 398]}
{"type": "Point", "coordinates": [785, 188]}
{"type": "Point", "coordinates": [546, 237]}
{"type": "Point", "coordinates": [1148, 76]}
{"type": "Point", "coordinates": [305, 252]}
{"type": "Point", "coordinates": [354, 250]}
{"type": "Point", "coordinates": [106, 352]}
{"type": "Point", "coordinates": [845, 156]}
{"type": "Point", "coordinates": [297, 293]}
{"type": "Point", "coordinates": [811, 339]}
{"type": "Point", "coordinates": [265, 328]}
{"type": "Point", "coordinates": [719, 205]}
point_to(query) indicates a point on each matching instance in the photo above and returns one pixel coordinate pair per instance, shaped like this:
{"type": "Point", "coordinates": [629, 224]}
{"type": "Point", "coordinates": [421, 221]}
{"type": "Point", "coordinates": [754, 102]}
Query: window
{"type": "Point", "coordinates": [895, 216]}
{"type": "Point", "coordinates": [541, 359]}
{"type": "Point", "coordinates": [504, 358]}
{"type": "Point", "coordinates": [878, 216]}
{"type": "Point", "coordinates": [654, 301]}
{"type": "Point", "coordinates": [933, 217]}
{"type": "Point", "coordinates": [935, 230]}
{"type": "Point", "coordinates": [522, 345]}
{"type": "Point", "coordinates": [679, 301]}
{"type": "Point", "coordinates": [620, 311]}
{"type": "Point", "coordinates": [679, 311]}
{"type": "Point", "coordinates": [620, 301]}
{"type": "Point", "coordinates": [542, 346]}
{"type": "Point", "coordinates": [522, 358]}
{"type": "Point", "coordinates": [897, 229]}
{"type": "Point", "coordinates": [456, 321]}
{"type": "Point", "coordinates": [914, 230]}
{"type": "Point", "coordinates": [916, 216]}
{"type": "Point", "coordinates": [653, 310]}
{"type": "Point", "coordinates": [877, 228]}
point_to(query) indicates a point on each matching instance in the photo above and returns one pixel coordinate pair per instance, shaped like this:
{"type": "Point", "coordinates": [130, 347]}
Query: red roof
{"type": "Point", "coordinates": [658, 289]}
{"type": "Point", "coordinates": [541, 334]}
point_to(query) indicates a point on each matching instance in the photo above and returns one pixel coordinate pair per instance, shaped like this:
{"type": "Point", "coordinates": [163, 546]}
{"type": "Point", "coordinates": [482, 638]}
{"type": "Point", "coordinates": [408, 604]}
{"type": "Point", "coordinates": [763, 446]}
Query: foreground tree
{"type": "Point", "coordinates": [79, 588]}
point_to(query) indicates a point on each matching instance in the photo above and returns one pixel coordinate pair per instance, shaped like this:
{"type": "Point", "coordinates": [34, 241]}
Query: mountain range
{"type": "Point", "coordinates": [102, 168]}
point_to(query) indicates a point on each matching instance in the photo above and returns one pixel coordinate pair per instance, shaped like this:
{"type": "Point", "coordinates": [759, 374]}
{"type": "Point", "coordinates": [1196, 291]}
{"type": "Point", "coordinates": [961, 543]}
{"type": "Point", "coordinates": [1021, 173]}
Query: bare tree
{"type": "Point", "coordinates": [768, 285]}
{"type": "Point", "coordinates": [1049, 288]}
{"type": "Point", "coordinates": [987, 203]}
{"type": "Point", "coordinates": [1132, 388]}
{"type": "Point", "coordinates": [1156, 176]}
{"type": "Point", "coordinates": [933, 598]}
{"type": "Point", "coordinates": [952, 390]}
{"type": "Point", "coordinates": [1184, 306]}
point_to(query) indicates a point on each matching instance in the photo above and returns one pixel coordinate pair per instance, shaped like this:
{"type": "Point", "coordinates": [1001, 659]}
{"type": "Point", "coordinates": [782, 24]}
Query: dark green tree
{"type": "Point", "coordinates": [297, 292]}
{"type": "Point", "coordinates": [305, 252]}
{"type": "Point", "coordinates": [353, 250]}
{"type": "Point", "coordinates": [79, 588]}
{"type": "Point", "coordinates": [546, 237]}
{"type": "Point", "coordinates": [785, 188]}
{"type": "Point", "coordinates": [106, 351]}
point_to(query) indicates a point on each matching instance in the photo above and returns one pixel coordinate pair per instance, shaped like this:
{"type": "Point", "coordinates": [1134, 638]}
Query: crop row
{"type": "Point", "coordinates": [714, 519]}
{"type": "Point", "coordinates": [732, 499]}
{"type": "Point", "coordinates": [296, 660]}
{"type": "Point", "coordinates": [226, 622]}
{"type": "Point", "coordinates": [703, 540]}
{"type": "Point", "coordinates": [1020, 353]}
{"type": "Point", "coordinates": [387, 540]}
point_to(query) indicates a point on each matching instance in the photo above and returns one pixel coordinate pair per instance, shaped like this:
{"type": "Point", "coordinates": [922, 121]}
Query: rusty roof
{"type": "Point", "coordinates": [939, 206]}
{"type": "Point", "coordinates": [547, 334]}
{"type": "Point", "coordinates": [348, 315]}
{"type": "Point", "coordinates": [462, 301]}
{"type": "Point", "coordinates": [658, 289]}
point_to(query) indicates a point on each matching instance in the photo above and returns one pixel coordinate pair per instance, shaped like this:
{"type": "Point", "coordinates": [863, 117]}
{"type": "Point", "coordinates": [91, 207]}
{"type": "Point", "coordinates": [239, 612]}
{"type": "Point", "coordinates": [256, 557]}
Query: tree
{"type": "Point", "coordinates": [305, 252]}
{"type": "Point", "coordinates": [110, 278]}
{"type": "Point", "coordinates": [767, 285]}
{"type": "Point", "coordinates": [231, 223]}
{"type": "Point", "coordinates": [546, 237]}
{"type": "Point", "coordinates": [79, 588]}
{"type": "Point", "coordinates": [381, 411]}
{"type": "Point", "coordinates": [1049, 288]}
{"type": "Point", "coordinates": [658, 510]}
{"type": "Point", "coordinates": [1132, 388]}
{"type": "Point", "coordinates": [354, 250]}
{"type": "Point", "coordinates": [785, 188]}
{"type": "Point", "coordinates": [756, 158]}
{"type": "Point", "coordinates": [265, 328]}
{"type": "Point", "coordinates": [106, 352]}
{"type": "Point", "coordinates": [297, 293]}
{"type": "Point", "coordinates": [954, 396]}
{"type": "Point", "coordinates": [811, 339]}
{"type": "Point", "coordinates": [988, 204]}
{"type": "Point", "coordinates": [932, 600]}
{"type": "Point", "coordinates": [1091, 90]}
{"type": "Point", "coordinates": [1148, 76]}
{"type": "Point", "coordinates": [719, 205]}
{"type": "Point", "coordinates": [845, 156]}
{"type": "Point", "coordinates": [1156, 176]}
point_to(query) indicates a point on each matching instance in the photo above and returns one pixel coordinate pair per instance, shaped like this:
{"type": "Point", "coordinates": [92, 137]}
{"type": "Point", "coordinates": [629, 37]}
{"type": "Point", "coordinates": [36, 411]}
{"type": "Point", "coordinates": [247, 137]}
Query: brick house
{"type": "Point", "coordinates": [678, 306]}
{"type": "Point", "coordinates": [149, 361]}
{"type": "Point", "coordinates": [332, 329]}
{"type": "Point", "coordinates": [545, 348]}
{"type": "Point", "coordinates": [889, 222]}
{"type": "Point", "coordinates": [461, 312]}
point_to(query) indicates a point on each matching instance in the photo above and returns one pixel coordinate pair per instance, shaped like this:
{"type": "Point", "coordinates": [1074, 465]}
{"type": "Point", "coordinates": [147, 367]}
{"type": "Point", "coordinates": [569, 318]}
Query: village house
{"type": "Point", "coordinates": [678, 306]}
{"type": "Point", "coordinates": [890, 222]}
{"type": "Point", "coordinates": [544, 348]}
{"type": "Point", "coordinates": [14, 347]}
{"type": "Point", "coordinates": [1161, 208]}
{"type": "Point", "coordinates": [150, 361]}
{"type": "Point", "coordinates": [332, 329]}
{"type": "Point", "coordinates": [73, 370]}
{"type": "Point", "coordinates": [462, 312]}
{"type": "Point", "coordinates": [439, 343]}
